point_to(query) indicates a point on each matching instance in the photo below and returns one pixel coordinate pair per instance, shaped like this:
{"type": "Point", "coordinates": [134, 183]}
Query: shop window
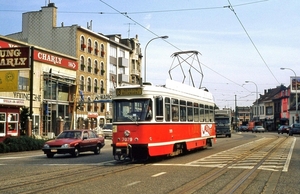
{"type": "Point", "coordinates": [2, 124]}
{"type": "Point", "coordinates": [12, 122]}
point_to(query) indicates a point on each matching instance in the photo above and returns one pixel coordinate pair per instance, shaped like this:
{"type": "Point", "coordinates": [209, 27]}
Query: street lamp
{"type": "Point", "coordinates": [283, 68]}
{"type": "Point", "coordinates": [162, 37]}
{"type": "Point", "coordinates": [256, 96]}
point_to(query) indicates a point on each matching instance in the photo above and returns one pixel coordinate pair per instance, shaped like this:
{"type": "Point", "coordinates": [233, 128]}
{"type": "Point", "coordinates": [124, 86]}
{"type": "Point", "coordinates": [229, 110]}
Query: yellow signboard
{"type": "Point", "coordinates": [128, 91]}
{"type": "Point", "coordinates": [9, 81]}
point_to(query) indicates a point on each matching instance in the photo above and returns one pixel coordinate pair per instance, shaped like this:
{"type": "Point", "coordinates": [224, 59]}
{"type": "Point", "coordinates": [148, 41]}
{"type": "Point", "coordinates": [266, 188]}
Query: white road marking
{"type": "Point", "coordinates": [287, 163]}
{"type": "Point", "coordinates": [156, 175]}
{"type": "Point", "coordinates": [134, 183]}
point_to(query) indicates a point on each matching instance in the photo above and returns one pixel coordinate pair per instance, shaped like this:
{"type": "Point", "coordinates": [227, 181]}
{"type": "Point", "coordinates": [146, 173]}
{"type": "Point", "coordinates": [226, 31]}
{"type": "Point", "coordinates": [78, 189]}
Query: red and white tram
{"type": "Point", "coordinates": [163, 120]}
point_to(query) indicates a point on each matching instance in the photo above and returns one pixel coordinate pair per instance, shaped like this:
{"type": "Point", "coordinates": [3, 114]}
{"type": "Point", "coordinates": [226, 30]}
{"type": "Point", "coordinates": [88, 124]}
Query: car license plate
{"type": "Point", "coordinates": [53, 150]}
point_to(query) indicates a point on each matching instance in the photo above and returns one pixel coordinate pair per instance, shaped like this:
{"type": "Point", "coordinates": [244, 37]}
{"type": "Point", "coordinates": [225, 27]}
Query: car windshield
{"type": "Point", "coordinates": [69, 134]}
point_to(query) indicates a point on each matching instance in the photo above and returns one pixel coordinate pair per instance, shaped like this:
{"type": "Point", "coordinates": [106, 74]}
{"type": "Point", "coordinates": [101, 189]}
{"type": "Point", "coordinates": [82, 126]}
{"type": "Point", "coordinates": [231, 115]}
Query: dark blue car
{"type": "Point", "coordinates": [294, 129]}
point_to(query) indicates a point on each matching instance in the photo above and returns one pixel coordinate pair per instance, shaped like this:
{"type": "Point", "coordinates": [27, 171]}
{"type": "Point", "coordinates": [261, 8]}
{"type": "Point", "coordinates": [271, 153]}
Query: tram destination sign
{"type": "Point", "coordinates": [129, 91]}
{"type": "Point", "coordinates": [14, 58]}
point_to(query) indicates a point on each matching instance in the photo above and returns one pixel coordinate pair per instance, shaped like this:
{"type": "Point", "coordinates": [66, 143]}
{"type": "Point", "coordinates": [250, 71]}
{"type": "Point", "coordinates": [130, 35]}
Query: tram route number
{"type": "Point", "coordinates": [128, 91]}
{"type": "Point", "coordinates": [127, 139]}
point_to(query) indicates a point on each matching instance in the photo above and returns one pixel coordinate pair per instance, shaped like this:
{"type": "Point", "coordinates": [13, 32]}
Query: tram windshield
{"type": "Point", "coordinates": [133, 110]}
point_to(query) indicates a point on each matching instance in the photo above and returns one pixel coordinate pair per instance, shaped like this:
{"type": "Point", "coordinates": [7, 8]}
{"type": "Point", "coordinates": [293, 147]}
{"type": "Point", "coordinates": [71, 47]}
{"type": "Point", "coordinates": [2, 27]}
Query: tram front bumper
{"type": "Point", "coordinates": [122, 150]}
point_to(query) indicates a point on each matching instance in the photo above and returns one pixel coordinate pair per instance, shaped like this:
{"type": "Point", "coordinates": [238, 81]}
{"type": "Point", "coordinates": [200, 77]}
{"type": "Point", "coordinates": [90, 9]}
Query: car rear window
{"type": "Point", "coordinates": [107, 126]}
{"type": "Point", "coordinates": [297, 125]}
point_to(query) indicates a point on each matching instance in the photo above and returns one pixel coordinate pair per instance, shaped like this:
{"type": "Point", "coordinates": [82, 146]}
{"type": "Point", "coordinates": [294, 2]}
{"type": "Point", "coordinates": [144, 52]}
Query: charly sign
{"type": "Point", "coordinates": [14, 58]}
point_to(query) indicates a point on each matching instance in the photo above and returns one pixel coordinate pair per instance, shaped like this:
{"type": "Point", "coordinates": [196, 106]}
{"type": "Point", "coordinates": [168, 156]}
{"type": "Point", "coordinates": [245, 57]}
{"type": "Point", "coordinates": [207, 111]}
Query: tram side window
{"type": "Point", "coordinates": [167, 109]}
{"type": "Point", "coordinates": [202, 115]}
{"type": "Point", "coordinates": [196, 112]}
{"type": "Point", "coordinates": [190, 111]}
{"type": "Point", "coordinates": [182, 110]}
{"type": "Point", "coordinates": [175, 110]}
{"type": "Point", "coordinates": [159, 108]}
{"type": "Point", "coordinates": [211, 114]}
{"type": "Point", "coordinates": [206, 112]}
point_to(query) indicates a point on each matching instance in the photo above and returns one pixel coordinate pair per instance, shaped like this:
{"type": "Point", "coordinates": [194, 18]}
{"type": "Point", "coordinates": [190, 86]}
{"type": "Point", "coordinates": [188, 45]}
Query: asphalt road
{"type": "Point", "coordinates": [244, 163]}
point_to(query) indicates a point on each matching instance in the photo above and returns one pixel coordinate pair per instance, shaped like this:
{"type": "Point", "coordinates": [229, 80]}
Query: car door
{"type": "Point", "coordinates": [85, 141]}
{"type": "Point", "coordinates": [92, 141]}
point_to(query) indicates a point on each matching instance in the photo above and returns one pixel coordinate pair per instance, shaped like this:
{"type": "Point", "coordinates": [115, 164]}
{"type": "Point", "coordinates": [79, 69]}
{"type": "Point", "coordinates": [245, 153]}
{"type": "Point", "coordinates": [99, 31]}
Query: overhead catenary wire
{"type": "Point", "coordinates": [232, 9]}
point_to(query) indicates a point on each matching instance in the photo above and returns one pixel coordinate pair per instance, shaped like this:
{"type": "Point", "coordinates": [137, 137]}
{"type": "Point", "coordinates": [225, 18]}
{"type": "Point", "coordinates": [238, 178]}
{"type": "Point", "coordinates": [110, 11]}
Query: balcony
{"type": "Point", "coordinates": [123, 62]}
{"type": "Point", "coordinates": [135, 72]}
{"type": "Point", "coordinates": [123, 78]}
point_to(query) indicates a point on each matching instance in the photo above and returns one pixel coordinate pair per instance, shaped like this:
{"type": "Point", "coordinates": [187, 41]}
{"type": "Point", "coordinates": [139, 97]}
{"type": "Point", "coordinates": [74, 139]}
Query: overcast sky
{"type": "Point", "coordinates": [238, 40]}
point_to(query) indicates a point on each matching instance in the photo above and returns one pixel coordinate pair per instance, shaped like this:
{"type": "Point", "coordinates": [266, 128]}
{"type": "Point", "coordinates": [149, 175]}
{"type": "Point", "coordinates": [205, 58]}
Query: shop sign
{"type": "Point", "coordinates": [55, 60]}
{"type": "Point", "coordinates": [26, 96]}
{"type": "Point", "coordinates": [12, 102]}
{"type": "Point", "coordinates": [14, 58]}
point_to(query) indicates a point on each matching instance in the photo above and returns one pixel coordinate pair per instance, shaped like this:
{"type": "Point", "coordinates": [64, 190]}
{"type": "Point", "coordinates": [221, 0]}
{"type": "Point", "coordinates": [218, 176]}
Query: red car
{"type": "Point", "coordinates": [73, 142]}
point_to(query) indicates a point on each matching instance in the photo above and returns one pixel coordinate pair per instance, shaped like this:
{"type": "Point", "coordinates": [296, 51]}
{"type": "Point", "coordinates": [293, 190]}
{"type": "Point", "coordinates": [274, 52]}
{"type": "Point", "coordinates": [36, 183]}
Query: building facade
{"type": "Point", "coordinates": [103, 61]}
{"type": "Point", "coordinates": [53, 78]}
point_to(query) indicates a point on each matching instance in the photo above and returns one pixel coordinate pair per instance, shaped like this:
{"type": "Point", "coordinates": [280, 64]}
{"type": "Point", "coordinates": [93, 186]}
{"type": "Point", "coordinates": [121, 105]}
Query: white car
{"type": "Point", "coordinates": [258, 129]}
{"type": "Point", "coordinates": [107, 130]}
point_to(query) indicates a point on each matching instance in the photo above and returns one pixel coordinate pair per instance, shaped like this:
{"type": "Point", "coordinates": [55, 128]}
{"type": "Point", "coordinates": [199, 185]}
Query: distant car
{"type": "Point", "coordinates": [107, 130]}
{"type": "Point", "coordinates": [243, 128]}
{"type": "Point", "coordinates": [294, 129]}
{"type": "Point", "coordinates": [283, 129]}
{"type": "Point", "coordinates": [73, 142]}
{"type": "Point", "coordinates": [258, 129]}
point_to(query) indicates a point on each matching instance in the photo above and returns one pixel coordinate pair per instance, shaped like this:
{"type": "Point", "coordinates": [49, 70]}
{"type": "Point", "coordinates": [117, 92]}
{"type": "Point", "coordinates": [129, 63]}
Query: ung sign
{"type": "Point", "coordinates": [14, 58]}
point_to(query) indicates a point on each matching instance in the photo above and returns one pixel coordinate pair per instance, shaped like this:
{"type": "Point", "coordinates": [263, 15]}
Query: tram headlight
{"type": "Point", "coordinates": [126, 133]}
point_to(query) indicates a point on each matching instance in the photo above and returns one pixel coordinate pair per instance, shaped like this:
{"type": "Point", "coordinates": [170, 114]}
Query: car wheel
{"type": "Point", "coordinates": [97, 150]}
{"type": "Point", "coordinates": [50, 155]}
{"type": "Point", "coordinates": [76, 152]}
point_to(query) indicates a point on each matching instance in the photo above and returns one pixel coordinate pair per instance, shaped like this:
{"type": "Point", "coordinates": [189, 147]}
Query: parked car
{"type": "Point", "coordinates": [258, 129]}
{"type": "Point", "coordinates": [73, 142]}
{"type": "Point", "coordinates": [107, 130]}
{"type": "Point", "coordinates": [294, 129]}
{"type": "Point", "coordinates": [243, 128]}
{"type": "Point", "coordinates": [283, 129]}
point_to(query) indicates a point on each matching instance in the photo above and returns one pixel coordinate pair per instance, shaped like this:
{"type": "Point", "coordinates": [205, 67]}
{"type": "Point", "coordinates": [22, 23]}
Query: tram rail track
{"type": "Point", "coordinates": [41, 183]}
{"type": "Point", "coordinates": [236, 185]}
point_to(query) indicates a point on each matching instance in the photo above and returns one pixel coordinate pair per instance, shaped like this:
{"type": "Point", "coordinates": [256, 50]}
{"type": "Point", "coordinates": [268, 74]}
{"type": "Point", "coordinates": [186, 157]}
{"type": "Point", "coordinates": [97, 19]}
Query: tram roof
{"type": "Point", "coordinates": [175, 89]}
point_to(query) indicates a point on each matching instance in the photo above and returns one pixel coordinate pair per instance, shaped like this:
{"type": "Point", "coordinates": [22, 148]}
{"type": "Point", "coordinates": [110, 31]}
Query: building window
{"type": "Point", "coordinates": [82, 65]}
{"type": "Point", "coordinates": [23, 83]}
{"type": "Point", "coordinates": [89, 65]}
{"type": "Point", "coordinates": [82, 43]}
{"type": "Point", "coordinates": [96, 70]}
{"type": "Point", "coordinates": [82, 83]}
{"type": "Point", "coordinates": [13, 120]}
{"type": "Point", "coordinates": [102, 50]}
{"type": "Point", "coordinates": [96, 47]}
{"type": "Point", "coordinates": [90, 48]}
{"type": "Point", "coordinates": [2, 124]}
{"type": "Point", "coordinates": [102, 69]}
{"type": "Point", "coordinates": [96, 87]}
{"type": "Point", "coordinates": [89, 85]}
{"type": "Point", "coordinates": [101, 87]}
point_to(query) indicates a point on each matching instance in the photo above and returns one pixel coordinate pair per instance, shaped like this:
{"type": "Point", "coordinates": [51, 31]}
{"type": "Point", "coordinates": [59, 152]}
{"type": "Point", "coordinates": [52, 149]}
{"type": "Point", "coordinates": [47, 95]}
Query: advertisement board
{"type": "Point", "coordinates": [9, 81]}
{"type": "Point", "coordinates": [295, 84]}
